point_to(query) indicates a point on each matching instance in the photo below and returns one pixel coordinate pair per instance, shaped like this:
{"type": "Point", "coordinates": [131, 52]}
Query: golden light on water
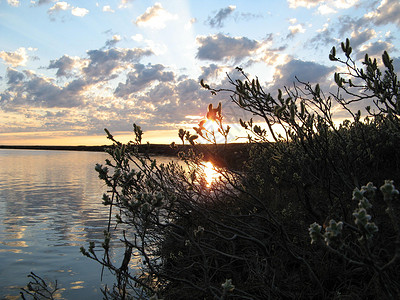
{"type": "Point", "coordinates": [210, 173]}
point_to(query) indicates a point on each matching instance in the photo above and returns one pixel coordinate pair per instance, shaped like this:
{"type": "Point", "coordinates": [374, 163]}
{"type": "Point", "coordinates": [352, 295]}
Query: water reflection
{"type": "Point", "coordinates": [50, 205]}
{"type": "Point", "coordinates": [210, 173]}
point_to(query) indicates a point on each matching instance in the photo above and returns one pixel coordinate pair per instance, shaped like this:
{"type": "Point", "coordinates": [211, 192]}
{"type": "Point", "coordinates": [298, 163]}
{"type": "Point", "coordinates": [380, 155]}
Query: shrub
{"type": "Point", "coordinates": [245, 236]}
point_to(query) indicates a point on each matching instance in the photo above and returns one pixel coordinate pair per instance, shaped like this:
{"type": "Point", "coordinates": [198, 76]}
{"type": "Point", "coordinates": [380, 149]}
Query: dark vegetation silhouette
{"type": "Point", "coordinates": [248, 235]}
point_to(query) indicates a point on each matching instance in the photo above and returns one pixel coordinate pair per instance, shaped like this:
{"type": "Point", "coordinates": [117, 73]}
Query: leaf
{"type": "Point", "coordinates": [387, 61]}
{"type": "Point", "coordinates": [317, 89]}
{"type": "Point", "coordinates": [343, 47]}
{"type": "Point", "coordinates": [192, 138]}
{"type": "Point", "coordinates": [243, 124]}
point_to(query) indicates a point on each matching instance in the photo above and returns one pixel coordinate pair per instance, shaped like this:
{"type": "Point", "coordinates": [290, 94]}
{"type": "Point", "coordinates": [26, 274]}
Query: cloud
{"type": "Point", "coordinates": [217, 21]}
{"type": "Point", "coordinates": [221, 47]}
{"type": "Point", "coordinates": [374, 49]}
{"type": "Point", "coordinates": [358, 38]}
{"type": "Point", "coordinates": [14, 3]}
{"type": "Point", "coordinates": [64, 6]}
{"type": "Point", "coordinates": [174, 102]}
{"type": "Point", "coordinates": [112, 42]}
{"type": "Point", "coordinates": [247, 16]}
{"type": "Point", "coordinates": [294, 30]}
{"type": "Point", "coordinates": [64, 65]}
{"type": "Point", "coordinates": [306, 71]}
{"type": "Point", "coordinates": [303, 3]}
{"type": "Point", "coordinates": [107, 8]}
{"type": "Point", "coordinates": [396, 64]}
{"type": "Point", "coordinates": [14, 76]}
{"type": "Point", "coordinates": [103, 64]}
{"type": "Point", "coordinates": [326, 10]}
{"type": "Point", "coordinates": [212, 71]}
{"type": "Point", "coordinates": [141, 77]}
{"type": "Point", "coordinates": [137, 37]}
{"type": "Point", "coordinates": [41, 2]}
{"type": "Point", "coordinates": [189, 24]}
{"type": "Point", "coordinates": [155, 17]}
{"type": "Point", "coordinates": [59, 6]}
{"type": "Point", "coordinates": [386, 13]}
{"type": "Point", "coordinates": [325, 4]}
{"type": "Point", "coordinates": [79, 12]}
{"type": "Point", "coordinates": [324, 37]}
{"type": "Point", "coordinates": [17, 58]}
{"type": "Point", "coordinates": [124, 3]}
{"type": "Point", "coordinates": [27, 88]}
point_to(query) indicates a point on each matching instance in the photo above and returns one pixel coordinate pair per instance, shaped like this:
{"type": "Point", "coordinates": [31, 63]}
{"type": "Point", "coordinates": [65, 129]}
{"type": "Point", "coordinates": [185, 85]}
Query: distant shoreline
{"type": "Point", "coordinates": [69, 148]}
{"type": "Point", "coordinates": [229, 154]}
{"type": "Point", "coordinates": [158, 149]}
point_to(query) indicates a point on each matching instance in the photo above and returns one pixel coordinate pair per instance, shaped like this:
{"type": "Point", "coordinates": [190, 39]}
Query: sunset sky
{"type": "Point", "coordinates": [69, 69]}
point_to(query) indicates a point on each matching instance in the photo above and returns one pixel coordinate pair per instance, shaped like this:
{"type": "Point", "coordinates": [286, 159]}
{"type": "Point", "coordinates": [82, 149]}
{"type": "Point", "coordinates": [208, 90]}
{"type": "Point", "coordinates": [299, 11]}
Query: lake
{"type": "Point", "coordinates": [50, 205]}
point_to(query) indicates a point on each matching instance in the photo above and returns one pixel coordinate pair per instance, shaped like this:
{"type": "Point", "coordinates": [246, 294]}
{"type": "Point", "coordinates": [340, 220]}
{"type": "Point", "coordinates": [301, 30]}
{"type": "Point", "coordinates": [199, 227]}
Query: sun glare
{"type": "Point", "coordinates": [211, 126]}
{"type": "Point", "coordinates": [210, 173]}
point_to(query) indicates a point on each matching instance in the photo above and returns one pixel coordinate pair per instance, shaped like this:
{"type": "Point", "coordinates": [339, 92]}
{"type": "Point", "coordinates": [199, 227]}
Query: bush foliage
{"type": "Point", "coordinates": [247, 235]}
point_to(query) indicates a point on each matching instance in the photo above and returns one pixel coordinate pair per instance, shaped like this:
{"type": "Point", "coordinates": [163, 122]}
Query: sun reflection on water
{"type": "Point", "coordinates": [210, 173]}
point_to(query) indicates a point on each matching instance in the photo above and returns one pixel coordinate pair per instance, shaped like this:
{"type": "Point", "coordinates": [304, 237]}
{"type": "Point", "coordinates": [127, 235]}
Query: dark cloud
{"type": "Point", "coordinates": [347, 24]}
{"type": "Point", "coordinates": [305, 71]}
{"type": "Point", "coordinates": [374, 49]}
{"type": "Point", "coordinates": [41, 2]}
{"type": "Point", "coordinates": [189, 90]}
{"type": "Point", "coordinates": [14, 76]}
{"type": "Point", "coordinates": [387, 12]}
{"type": "Point", "coordinates": [141, 77]}
{"type": "Point", "coordinates": [33, 90]}
{"type": "Point", "coordinates": [359, 38]}
{"type": "Point", "coordinates": [396, 64]}
{"type": "Point", "coordinates": [217, 21]}
{"type": "Point", "coordinates": [210, 71]}
{"type": "Point", "coordinates": [63, 64]}
{"type": "Point", "coordinates": [189, 98]}
{"type": "Point", "coordinates": [220, 47]}
{"type": "Point", "coordinates": [359, 30]}
{"type": "Point", "coordinates": [162, 93]}
{"type": "Point", "coordinates": [323, 38]}
{"type": "Point", "coordinates": [112, 42]}
{"type": "Point", "coordinates": [103, 63]}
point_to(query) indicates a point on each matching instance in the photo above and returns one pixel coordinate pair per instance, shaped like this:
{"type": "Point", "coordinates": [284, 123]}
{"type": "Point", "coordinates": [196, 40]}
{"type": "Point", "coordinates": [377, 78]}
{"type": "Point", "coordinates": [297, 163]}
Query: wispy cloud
{"type": "Point", "coordinates": [217, 21]}
{"type": "Point", "coordinates": [113, 41]}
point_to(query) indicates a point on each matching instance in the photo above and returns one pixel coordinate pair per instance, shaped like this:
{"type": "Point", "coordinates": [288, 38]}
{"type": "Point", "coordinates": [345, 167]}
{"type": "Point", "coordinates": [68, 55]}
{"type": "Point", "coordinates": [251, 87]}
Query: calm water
{"type": "Point", "coordinates": [50, 205]}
